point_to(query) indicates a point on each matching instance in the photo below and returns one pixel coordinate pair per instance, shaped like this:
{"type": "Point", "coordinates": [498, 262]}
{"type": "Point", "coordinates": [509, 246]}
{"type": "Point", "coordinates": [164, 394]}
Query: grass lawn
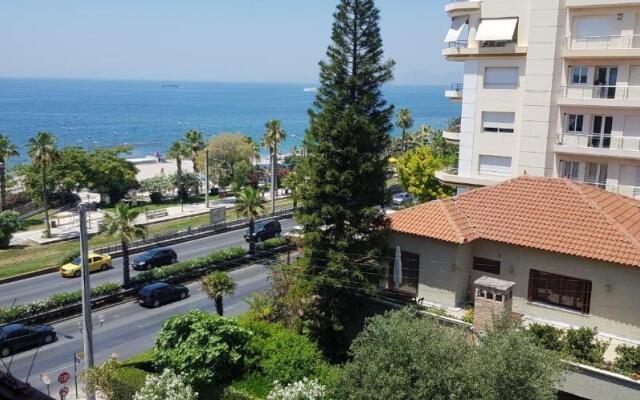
{"type": "Point", "coordinates": [22, 259]}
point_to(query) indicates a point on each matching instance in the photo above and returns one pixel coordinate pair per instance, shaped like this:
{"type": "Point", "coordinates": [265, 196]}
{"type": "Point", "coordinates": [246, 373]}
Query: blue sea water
{"type": "Point", "coordinates": [149, 116]}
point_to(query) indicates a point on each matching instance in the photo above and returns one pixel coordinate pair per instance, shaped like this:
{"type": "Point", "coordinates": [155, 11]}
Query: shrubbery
{"type": "Point", "coordinates": [56, 301]}
{"type": "Point", "coordinates": [628, 360]}
{"type": "Point", "coordinates": [279, 354]}
{"type": "Point", "coordinates": [106, 379]}
{"type": "Point", "coordinates": [547, 336]}
{"type": "Point", "coordinates": [306, 389]}
{"type": "Point", "coordinates": [580, 344]}
{"type": "Point", "coordinates": [9, 224]}
{"type": "Point", "coordinates": [167, 385]}
{"type": "Point", "coordinates": [184, 267]}
{"type": "Point", "coordinates": [209, 348]}
{"type": "Point", "coordinates": [271, 244]}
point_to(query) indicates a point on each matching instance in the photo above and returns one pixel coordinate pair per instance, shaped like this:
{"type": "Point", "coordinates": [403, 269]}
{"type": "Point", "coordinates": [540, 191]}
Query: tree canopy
{"type": "Point", "coordinates": [225, 151]}
{"type": "Point", "coordinates": [416, 170]}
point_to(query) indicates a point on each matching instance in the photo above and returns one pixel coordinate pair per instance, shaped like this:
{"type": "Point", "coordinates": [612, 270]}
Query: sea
{"type": "Point", "coordinates": [150, 115]}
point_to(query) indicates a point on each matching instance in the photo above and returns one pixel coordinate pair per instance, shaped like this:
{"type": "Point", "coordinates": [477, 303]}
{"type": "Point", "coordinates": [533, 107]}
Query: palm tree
{"type": "Point", "coordinates": [7, 150]}
{"type": "Point", "coordinates": [120, 224]}
{"type": "Point", "coordinates": [195, 142]}
{"type": "Point", "coordinates": [273, 135]}
{"type": "Point", "coordinates": [42, 151]}
{"type": "Point", "coordinates": [216, 285]}
{"type": "Point", "coordinates": [404, 121]}
{"type": "Point", "coordinates": [178, 151]}
{"type": "Point", "coordinates": [249, 206]}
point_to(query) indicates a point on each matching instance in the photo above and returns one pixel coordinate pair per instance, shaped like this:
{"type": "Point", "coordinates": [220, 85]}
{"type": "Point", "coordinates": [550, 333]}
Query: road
{"type": "Point", "coordinates": [43, 286]}
{"type": "Point", "coordinates": [128, 329]}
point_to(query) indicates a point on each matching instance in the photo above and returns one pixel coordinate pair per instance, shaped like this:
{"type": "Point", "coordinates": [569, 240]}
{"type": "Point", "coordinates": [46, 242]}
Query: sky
{"type": "Point", "coordinates": [207, 40]}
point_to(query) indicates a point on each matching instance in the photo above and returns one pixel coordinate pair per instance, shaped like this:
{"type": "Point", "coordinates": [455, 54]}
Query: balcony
{"type": "Point", "coordinates": [451, 137]}
{"type": "Point", "coordinates": [600, 96]}
{"type": "Point", "coordinates": [603, 145]}
{"type": "Point", "coordinates": [461, 50]}
{"type": "Point", "coordinates": [462, 6]}
{"type": "Point", "coordinates": [455, 92]}
{"type": "Point", "coordinates": [451, 177]}
{"type": "Point", "coordinates": [610, 46]}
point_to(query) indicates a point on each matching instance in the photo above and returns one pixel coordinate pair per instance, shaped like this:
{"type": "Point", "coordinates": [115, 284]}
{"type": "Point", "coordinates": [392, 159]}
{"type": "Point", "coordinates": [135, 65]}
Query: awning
{"type": "Point", "coordinates": [497, 29]}
{"type": "Point", "coordinates": [457, 26]}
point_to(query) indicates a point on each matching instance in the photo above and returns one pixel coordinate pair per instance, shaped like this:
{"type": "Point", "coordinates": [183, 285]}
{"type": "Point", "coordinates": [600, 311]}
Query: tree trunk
{"type": "Point", "coordinates": [126, 280]}
{"type": "Point", "coordinates": [44, 202]}
{"type": "Point", "coordinates": [179, 178]}
{"type": "Point", "coordinates": [3, 187]}
{"type": "Point", "coordinates": [404, 148]}
{"type": "Point", "coordinates": [274, 159]}
{"type": "Point", "coordinates": [219, 306]}
{"type": "Point", "coordinates": [252, 242]}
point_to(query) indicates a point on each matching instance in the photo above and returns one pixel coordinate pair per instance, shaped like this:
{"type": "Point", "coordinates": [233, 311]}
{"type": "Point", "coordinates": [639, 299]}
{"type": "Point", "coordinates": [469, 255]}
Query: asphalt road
{"type": "Point", "coordinates": [43, 286]}
{"type": "Point", "coordinates": [128, 329]}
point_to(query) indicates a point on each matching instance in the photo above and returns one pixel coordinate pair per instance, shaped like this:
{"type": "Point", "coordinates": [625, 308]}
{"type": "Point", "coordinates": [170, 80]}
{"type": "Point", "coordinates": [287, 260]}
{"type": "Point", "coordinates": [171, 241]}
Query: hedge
{"type": "Point", "coordinates": [271, 244]}
{"type": "Point", "coordinates": [54, 302]}
{"type": "Point", "coordinates": [185, 267]}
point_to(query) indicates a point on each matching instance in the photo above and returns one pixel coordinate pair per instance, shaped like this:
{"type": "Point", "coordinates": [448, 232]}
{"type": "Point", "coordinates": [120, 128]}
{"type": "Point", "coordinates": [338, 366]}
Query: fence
{"type": "Point", "coordinates": [189, 232]}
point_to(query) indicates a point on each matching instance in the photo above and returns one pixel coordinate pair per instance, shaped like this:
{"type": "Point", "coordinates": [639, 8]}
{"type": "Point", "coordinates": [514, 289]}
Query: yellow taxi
{"type": "Point", "coordinates": [97, 262]}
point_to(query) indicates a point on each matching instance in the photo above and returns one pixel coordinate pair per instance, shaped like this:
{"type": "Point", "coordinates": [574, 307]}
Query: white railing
{"type": "Point", "coordinates": [607, 42]}
{"type": "Point", "coordinates": [603, 141]}
{"type": "Point", "coordinates": [601, 92]}
{"type": "Point", "coordinates": [628, 190]}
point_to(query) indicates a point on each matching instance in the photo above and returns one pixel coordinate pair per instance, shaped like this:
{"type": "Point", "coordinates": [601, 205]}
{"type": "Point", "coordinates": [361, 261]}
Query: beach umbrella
{"type": "Point", "coordinates": [397, 268]}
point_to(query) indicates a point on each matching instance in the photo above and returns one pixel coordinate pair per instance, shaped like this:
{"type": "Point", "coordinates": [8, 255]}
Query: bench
{"type": "Point", "coordinates": [162, 212]}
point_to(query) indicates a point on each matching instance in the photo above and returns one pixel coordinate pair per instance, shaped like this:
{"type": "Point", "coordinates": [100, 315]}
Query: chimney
{"type": "Point", "coordinates": [493, 297]}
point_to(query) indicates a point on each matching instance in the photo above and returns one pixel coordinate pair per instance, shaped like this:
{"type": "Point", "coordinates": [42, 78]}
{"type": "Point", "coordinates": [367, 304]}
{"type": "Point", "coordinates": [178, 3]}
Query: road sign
{"type": "Point", "coordinates": [79, 355]}
{"type": "Point", "coordinates": [64, 378]}
{"type": "Point", "coordinates": [64, 392]}
{"type": "Point", "coordinates": [45, 379]}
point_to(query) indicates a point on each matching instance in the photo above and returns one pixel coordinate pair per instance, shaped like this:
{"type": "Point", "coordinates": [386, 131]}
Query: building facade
{"type": "Point", "coordinates": [550, 88]}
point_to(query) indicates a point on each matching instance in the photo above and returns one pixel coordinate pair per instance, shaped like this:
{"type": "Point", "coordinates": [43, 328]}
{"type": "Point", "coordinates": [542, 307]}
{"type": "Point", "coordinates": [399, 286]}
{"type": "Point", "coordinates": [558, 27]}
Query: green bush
{"type": "Point", "coordinates": [209, 261]}
{"type": "Point", "coordinates": [279, 354]}
{"type": "Point", "coordinates": [9, 224]}
{"type": "Point", "coordinates": [208, 348]}
{"type": "Point", "coordinates": [582, 344]}
{"type": "Point", "coordinates": [628, 360]}
{"type": "Point", "coordinates": [271, 244]}
{"type": "Point", "coordinates": [547, 336]}
{"type": "Point", "coordinates": [233, 393]}
{"type": "Point", "coordinates": [108, 379]}
{"type": "Point", "coordinates": [468, 314]}
{"type": "Point", "coordinates": [58, 300]}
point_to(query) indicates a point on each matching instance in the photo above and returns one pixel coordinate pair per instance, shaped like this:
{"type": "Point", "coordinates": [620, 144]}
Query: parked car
{"type": "Point", "coordinates": [402, 199]}
{"type": "Point", "coordinates": [297, 232]}
{"type": "Point", "coordinates": [97, 262]}
{"type": "Point", "coordinates": [18, 337]}
{"type": "Point", "coordinates": [156, 294]}
{"type": "Point", "coordinates": [264, 230]}
{"type": "Point", "coordinates": [154, 258]}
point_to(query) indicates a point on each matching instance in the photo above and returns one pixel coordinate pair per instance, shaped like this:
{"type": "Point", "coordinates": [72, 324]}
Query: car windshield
{"type": "Point", "coordinates": [260, 225]}
{"type": "Point", "coordinates": [77, 261]}
{"type": "Point", "coordinates": [7, 330]}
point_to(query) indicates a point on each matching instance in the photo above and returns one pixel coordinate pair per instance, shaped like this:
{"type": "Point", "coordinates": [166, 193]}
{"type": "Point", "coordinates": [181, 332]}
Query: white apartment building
{"type": "Point", "coordinates": [550, 88]}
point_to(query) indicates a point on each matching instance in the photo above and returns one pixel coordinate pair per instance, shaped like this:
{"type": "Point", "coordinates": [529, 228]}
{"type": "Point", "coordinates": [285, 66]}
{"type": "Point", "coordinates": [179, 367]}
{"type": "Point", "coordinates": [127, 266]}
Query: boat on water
{"type": "Point", "coordinates": [170, 85]}
{"type": "Point", "coordinates": [310, 89]}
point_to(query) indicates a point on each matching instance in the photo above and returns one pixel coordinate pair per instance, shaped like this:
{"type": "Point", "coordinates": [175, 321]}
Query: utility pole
{"type": "Point", "coordinates": [206, 179]}
{"type": "Point", "coordinates": [87, 324]}
{"type": "Point", "coordinates": [274, 160]}
{"type": "Point", "coordinates": [2, 205]}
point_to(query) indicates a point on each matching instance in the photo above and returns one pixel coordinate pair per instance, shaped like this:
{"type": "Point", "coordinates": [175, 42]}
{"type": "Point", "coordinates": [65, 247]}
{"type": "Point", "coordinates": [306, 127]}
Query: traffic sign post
{"type": "Point", "coordinates": [63, 393]}
{"type": "Point", "coordinates": [64, 377]}
{"type": "Point", "coordinates": [47, 381]}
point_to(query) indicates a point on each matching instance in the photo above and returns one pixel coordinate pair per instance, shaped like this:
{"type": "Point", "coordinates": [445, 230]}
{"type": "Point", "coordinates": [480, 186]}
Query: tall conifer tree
{"type": "Point", "coordinates": [345, 167]}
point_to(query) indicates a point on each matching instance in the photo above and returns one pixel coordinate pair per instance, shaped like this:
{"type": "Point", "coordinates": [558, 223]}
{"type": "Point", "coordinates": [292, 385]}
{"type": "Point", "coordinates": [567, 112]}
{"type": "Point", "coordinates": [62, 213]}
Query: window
{"type": "Point", "coordinates": [560, 290]}
{"type": "Point", "coordinates": [575, 123]}
{"type": "Point", "coordinates": [501, 77]}
{"type": "Point", "coordinates": [569, 169]}
{"type": "Point", "coordinates": [494, 165]}
{"type": "Point", "coordinates": [486, 265]}
{"type": "Point", "coordinates": [602, 127]}
{"type": "Point", "coordinates": [579, 75]}
{"type": "Point", "coordinates": [500, 122]}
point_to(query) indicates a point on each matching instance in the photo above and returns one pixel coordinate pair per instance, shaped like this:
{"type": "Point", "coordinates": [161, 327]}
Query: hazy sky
{"type": "Point", "coordinates": [212, 40]}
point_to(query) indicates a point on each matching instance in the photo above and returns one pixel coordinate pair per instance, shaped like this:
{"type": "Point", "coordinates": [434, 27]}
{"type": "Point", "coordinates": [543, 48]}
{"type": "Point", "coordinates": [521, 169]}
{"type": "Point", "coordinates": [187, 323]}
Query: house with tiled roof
{"type": "Point", "coordinates": [572, 250]}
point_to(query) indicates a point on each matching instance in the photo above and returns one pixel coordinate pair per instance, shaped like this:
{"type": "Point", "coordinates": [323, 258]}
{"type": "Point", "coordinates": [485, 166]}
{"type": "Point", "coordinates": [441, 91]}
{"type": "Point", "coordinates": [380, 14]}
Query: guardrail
{"type": "Point", "coordinates": [604, 42]}
{"type": "Point", "coordinates": [190, 232]}
{"type": "Point", "coordinates": [611, 92]}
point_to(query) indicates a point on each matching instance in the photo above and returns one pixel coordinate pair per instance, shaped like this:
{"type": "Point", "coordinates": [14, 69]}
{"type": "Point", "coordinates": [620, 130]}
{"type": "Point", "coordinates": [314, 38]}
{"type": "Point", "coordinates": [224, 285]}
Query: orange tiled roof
{"type": "Point", "coordinates": [550, 214]}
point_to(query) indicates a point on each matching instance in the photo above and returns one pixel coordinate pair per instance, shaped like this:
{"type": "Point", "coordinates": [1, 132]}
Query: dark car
{"type": "Point", "coordinates": [156, 294]}
{"type": "Point", "coordinates": [154, 258]}
{"type": "Point", "coordinates": [18, 337]}
{"type": "Point", "coordinates": [264, 230]}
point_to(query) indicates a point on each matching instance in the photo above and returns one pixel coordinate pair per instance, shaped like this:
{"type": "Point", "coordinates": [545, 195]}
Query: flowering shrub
{"type": "Point", "coordinates": [306, 389]}
{"type": "Point", "coordinates": [168, 385]}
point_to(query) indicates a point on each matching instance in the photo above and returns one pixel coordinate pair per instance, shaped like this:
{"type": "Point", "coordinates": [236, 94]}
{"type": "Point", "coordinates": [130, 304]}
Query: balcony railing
{"type": "Point", "coordinates": [601, 141]}
{"type": "Point", "coordinates": [607, 42]}
{"type": "Point", "coordinates": [458, 44]}
{"type": "Point", "coordinates": [456, 87]}
{"type": "Point", "coordinates": [601, 92]}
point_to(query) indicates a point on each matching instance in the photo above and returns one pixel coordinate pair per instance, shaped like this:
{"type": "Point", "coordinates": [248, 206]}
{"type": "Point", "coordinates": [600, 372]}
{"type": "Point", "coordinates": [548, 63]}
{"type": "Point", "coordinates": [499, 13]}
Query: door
{"type": "Point", "coordinates": [601, 131]}
{"type": "Point", "coordinates": [596, 175]}
{"type": "Point", "coordinates": [604, 82]}
{"type": "Point", "coordinates": [94, 263]}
